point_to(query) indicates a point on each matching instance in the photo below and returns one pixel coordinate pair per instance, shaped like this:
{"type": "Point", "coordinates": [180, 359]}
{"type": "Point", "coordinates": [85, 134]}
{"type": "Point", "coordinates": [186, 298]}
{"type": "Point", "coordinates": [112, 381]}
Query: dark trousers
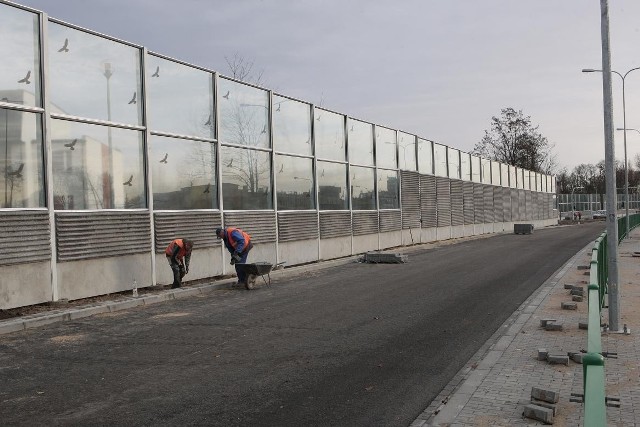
{"type": "Point", "coordinates": [178, 272]}
{"type": "Point", "coordinates": [242, 277]}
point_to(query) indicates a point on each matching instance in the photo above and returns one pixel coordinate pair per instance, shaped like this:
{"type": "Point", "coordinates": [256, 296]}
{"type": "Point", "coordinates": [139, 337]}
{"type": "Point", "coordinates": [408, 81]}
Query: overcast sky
{"type": "Point", "coordinates": [438, 69]}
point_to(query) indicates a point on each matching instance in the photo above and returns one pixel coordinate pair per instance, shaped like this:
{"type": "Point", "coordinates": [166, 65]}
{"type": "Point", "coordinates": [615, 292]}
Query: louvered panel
{"type": "Point", "coordinates": [498, 214]}
{"type": "Point", "coordinates": [443, 192]}
{"type": "Point", "coordinates": [549, 205]}
{"type": "Point", "coordinates": [390, 220]}
{"type": "Point", "coordinates": [506, 204]}
{"type": "Point", "coordinates": [536, 205]}
{"type": "Point", "coordinates": [514, 204]}
{"type": "Point", "coordinates": [200, 227]}
{"type": "Point", "coordinates": [261, 225]}
{"type": "Point", "coordinates": [410, 182]}
{"type": "Point", "coordinates": [457, 203]}
{"type": "Point", "coordinates": [428, 201]}
{"type": "Point", "coordinates": [365, 222]}
{"type": "Point", "coordinates": [528, 203]}
{"type": "Point", "coordinates": [335, 224]}
{"type": "Point", "coordinates": [478, 201]}
{"type": "Point", "coordinates": [521, 205]}
{"type": "Point", "coordinates": [87, 235]}
{"type": "Point", "coordinates": [487, 199]}
{"type": "Point", "coordinates": [469, 205]}
{"type": "Point", "coordinates": [25, 237]}
{"type": "Point", "coordinates": [294, 226]}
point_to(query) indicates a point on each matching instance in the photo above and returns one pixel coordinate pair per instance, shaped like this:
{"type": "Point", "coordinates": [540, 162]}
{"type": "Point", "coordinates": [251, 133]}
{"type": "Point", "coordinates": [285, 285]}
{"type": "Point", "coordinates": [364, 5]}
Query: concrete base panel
{"type": "Point", "coordinates": [298, 252]}
{"type": "Point", "coordinates": [469, 230]}
{"type": "Point", "coordinates": [206, 262]}
{"type": "Point", "coordinates": [457, 231]}
{"type": "Point", "coordinates": [365, 243]}
{"type": "Point", "coordinates": [498, 227]}
{"type": "Point", "coordinates": [487, 228]}
{"type": "Point", "coordinates": [443, 233]}
{"type": "Point", "coordinates": [428, 235]}
{"type": "Point", "coordinates": [25, 284]}
{"type": "Point", "coordinates": [390, 239]}
{"type": "Point", "coordinates": [87, 278]}
{"type": "Point", "coordinates": [411, 236]}
{"type": "Point", "coordinates": [336, 247]}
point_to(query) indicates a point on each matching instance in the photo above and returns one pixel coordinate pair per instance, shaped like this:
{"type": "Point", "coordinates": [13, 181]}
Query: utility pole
{"type": "Point", "coordinates": [610, 174]}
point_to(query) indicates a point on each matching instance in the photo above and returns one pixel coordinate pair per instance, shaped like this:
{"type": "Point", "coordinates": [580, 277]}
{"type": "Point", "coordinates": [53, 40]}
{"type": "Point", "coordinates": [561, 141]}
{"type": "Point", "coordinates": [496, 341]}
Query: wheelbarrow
{"type": "Point", "coordinates": [255, 269]}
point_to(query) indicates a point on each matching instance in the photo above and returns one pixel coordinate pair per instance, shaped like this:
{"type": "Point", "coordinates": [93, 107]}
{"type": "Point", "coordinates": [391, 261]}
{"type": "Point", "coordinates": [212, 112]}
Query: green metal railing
{"type": "Point", "coordinates": [594, 380]}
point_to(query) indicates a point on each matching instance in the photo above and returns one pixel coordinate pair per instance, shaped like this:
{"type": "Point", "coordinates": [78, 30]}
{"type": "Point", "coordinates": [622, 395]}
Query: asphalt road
{"type": "Point", "coordinates": [353, 345]}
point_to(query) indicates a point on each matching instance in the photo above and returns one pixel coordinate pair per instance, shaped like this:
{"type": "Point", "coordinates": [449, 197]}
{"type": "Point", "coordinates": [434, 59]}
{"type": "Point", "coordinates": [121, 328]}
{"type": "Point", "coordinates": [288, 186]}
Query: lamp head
{"type": "Point", "coordinates": [588, 70]}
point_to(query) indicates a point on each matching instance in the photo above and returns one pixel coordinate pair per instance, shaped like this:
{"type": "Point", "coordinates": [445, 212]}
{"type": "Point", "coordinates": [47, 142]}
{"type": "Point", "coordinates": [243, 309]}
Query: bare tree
{"type": "Point", "coordinates": [513, 140]}
{"type": "Point", "coordinates": [242, 69]}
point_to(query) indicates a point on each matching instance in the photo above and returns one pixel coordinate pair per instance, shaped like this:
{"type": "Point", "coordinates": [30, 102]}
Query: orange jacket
{"type": "Point", "coordinates": [172, 248]}
{"type": "Point", "coordinates": [237, 239]}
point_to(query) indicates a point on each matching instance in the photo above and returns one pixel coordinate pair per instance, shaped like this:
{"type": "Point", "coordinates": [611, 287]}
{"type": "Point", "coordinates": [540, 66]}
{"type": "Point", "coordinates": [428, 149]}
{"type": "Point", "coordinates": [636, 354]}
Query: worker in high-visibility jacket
{"type": "Point", "coordinates": [238, 243]}
{"type": "Point", "coordinates": [179, 255]}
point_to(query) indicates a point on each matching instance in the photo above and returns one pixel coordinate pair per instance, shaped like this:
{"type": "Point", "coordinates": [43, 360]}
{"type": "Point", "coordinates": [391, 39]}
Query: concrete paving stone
{"type": "Point", "coordinates": [88, 311]}
{"type": "Point", "coordinates": [186, 292]}
{"type": "Point", "coordinates": [124, 305]}
{"type": "Point", "coordinates": [9, 327]}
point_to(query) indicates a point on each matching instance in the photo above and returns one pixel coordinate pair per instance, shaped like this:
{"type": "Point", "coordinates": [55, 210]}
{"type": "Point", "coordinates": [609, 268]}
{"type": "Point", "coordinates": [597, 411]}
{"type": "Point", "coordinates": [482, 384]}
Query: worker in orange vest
{"type": "Point", "coordinates": [238, 243]}
{"type": "Point", "coordinates": [179, 255]}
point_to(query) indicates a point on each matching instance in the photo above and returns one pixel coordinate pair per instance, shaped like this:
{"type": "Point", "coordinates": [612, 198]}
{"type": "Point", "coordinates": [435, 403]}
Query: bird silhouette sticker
{"type": "Point", "coordinates": [208, 123]}
{"type": "Point", "coordinates": [18, 172]}
{"type": "Point", "coordinates": [65, 46]}
{"type": "Point", "coordinates": [278, 109]}
{"type": "Point", "coordinates": [206, 190]}
{"type": "Point", "coordinates": [230, 163]}
{"type": "Point", "coordinates": [133, 100]}
{"type": "Point", "coordinates": [226, 96]}
{"type": "Point", "coordinates": [281, 169]}
{"type": "Point", "coordinates": [129, 181]}
{"type": "Point", "coordinates": [157, 73]}
{"type": "Point", "coordinates": [264, 129]}
{"type": "Point", "coordinates": [164, 159]}
{"type": "Point", "coordinates": [71, 145]}
{"type": "Point", "coordinates": [26, 78]}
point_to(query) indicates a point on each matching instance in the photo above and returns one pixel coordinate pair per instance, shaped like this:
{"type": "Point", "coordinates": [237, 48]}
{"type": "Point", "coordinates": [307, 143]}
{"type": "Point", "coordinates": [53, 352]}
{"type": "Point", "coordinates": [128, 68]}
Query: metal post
{"type": "Point", "coordinates": [610, 175]}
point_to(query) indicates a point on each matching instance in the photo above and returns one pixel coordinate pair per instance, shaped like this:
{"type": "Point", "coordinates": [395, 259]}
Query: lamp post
{"type": "Point", "coordinates": [107, 74]}
{"type": "Point", "coordinates": [624, 127]}
{"type": "Point", "coordinates": [573, 202]}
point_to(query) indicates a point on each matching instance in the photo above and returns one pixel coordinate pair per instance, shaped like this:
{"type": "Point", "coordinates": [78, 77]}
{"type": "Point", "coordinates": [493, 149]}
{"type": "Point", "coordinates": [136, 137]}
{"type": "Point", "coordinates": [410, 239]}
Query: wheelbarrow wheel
{"type": "Point", "coordinates": [251, 281]}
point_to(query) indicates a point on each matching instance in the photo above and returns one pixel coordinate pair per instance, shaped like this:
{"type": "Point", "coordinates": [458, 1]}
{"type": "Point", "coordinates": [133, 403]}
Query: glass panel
{"type": "Point", "coordinates": [407, 151]}
{"type": "Point", "coordinates": [425, 156]}
{"type": "Point", "coordinates": [184, 173]}
{"type": "Point", "coordinates": [19, 75]}
{"type": "Point", "coordinates": [504, 175]}
{"type": "Point", "coordinates": [453, 157]}
{"type": "Point", "coordinates": [180, 98]}
{"type": "Point", "coordinates": [291, 126]}
{"type": "Point", "coordinates": [495, 173]}
{"type": "Point", "coordinates": [246, 179]}
{"type": "Point", "coordinates": [97, 167]}
{"type": "Point", "coordinates": [513, 182]}
{"type": "Point", "coordinates": [485, 164]}
{"type": "Point", "coordinates": [244, 114]}
{"type": "Point", "coordinates": [94, 77]}
{"type": "Point", "coordinates": [475, 169]}
{"type": "Point", "coordinates": [440, 159]}
{"type": "Point", "coordinates": [526, 178]}
{"type": "Point", "coordinates": [360, 143]}
{"type": "Point", "coordinates": [519, 178]}
{"type": "Point", "coordinates": [388, 193]}
{"type": "Point", "coordinates": [465, 166]}
{"type": "Point", "coordinates": [329, 134]}
{"type": "Point", "coordinates": [21, 160]}
{"type": "Point", "coordinates": [386, 148]}
{"type": "Point", "coordinates": [363, 194]}
{"type": "Point", "coordinates": [294, 180]}
{"type": "Point", "coordinates": [332, 186]}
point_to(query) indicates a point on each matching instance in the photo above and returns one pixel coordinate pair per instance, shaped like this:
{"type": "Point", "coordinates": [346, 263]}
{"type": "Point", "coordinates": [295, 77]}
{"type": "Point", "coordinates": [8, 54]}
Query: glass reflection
{"type": "Point", "coordinates": [495, 173]}
{"type": "Point", "coordinates": [363, 194]}
{"type": "Point", "coordinates": [291, 126]}
{"type": "Point", "coordinates": [504, 175]}
{"type": "Point", "coordinates": [184, 173]}
{"type": "Point", "coordinates": [294, 180]}
{"type": "Point", "coordinates": [21, 160]}
{"type": "Point", "coordinates": [19, 40]}
{"type": "Point", "coordinates": [465, 166]}
{"type": "Point", "coordinates": [246, 179]}
{"type": "Point", "coordinates": [386, 148]}
{"type": "Point", "coordinates": [407, 151]}
{"type": "Point", "coordinates": [180, 98]}
{"type": "Point", "coordinates": [360, 142]}
{"type": "Point", "coordinates": [425, 156]}
{"type": "Point", "coordinates": [526, 179]}
{"type": "Point", "coordinates": [96, 167]}
{"type": "Point", "coordinates": [94, 77]}
{"type": "Point", "coordinates": [440, 159]}
{"type": "Point", "coordinates": [475, 169]}
{"type": "Point", "coordinates": [332, 186]}
{"type": "Point", "coordinates": [512, 177]}
{"type": "Point", "coordinates": [453, 157]}
{"type": "Point", "coordinates": [244, 114]}
{"type": "Point", "coordinates": [329, 135]}
{"type": "Point", "coordinates": [388, 189]}
{"type": "Point", "coordinates": [485, 164]}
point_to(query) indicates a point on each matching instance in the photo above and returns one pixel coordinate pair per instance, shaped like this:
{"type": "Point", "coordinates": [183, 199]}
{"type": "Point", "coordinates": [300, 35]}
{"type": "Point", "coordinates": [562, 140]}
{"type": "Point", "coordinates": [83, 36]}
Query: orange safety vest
{"type": "Point", "coordinates": [233, 242]}
{"type": "Point", "coordinates": [181, 253]}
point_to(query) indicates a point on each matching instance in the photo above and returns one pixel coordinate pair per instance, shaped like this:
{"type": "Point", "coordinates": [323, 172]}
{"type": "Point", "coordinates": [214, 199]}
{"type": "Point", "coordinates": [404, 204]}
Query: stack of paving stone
{"type": "Point", "coordinates": [543, 405]}
{"type": "Point", "coordinates": [381, 258]}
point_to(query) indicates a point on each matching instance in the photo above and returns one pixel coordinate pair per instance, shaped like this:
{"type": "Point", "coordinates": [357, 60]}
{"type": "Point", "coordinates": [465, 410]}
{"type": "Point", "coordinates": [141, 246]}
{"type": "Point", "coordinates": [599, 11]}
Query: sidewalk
{"type": "Point", "coordinates": [495, 385]}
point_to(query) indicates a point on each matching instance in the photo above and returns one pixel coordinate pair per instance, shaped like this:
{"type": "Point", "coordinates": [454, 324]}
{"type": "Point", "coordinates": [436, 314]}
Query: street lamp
{"type": "Point", "coordinates": [573, 201]}
{"type": "Point", "coordinates": [624, 127]}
